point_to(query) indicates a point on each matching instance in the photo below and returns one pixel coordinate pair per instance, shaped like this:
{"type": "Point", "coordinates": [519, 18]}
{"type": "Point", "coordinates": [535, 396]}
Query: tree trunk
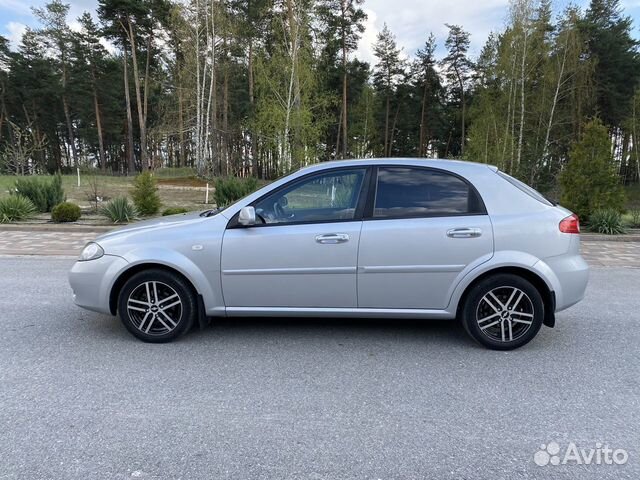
{"type": "Point", "coordinates": [225, 107]}
{"type": "Point", "coordinates": [67, 114]}
{"type": "Point", "coordinates": [131, 164]}
{"type": "Point", "coordinates": [463, 111]}
{"type": "Point", "coordinates": [393, 128]}
{"type": "Point", "coordinates": [96, 106]}
{"type": "Point", "coordinates": [635, 138]}
{"type": "Point", "coordinates": [139, 103]}
{"type": "Point", "coordinates": [72, 140]}
{"type": "Point", "coordinates": [386, 126]}
{"type": "Point", "coordinates": [522, 97]}
{"type": "Point", "coordinates": [286, 149]}
{"type": "Point", "coordinates": [254, 143]}
{"type": "Point", "coordinates": [337, 155]}
{"type": "Point", "coordinates": [344, 95]}
{"type": "Point", "coordinates": [145, 100]}
{"type": "Point", "coordinates": [181, 128]}
{"type": "Point", "coordinates": [421, 147]}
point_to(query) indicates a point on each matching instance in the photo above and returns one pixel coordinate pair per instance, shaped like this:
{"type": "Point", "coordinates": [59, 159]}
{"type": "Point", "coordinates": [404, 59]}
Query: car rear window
{"type": "Point", "coordinates": [525, 188]}
{"type": "Point", "coordinates": [414, 192]}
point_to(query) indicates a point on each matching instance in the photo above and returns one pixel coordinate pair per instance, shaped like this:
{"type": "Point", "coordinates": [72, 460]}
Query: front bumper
{"type": "Point", "coordinates": [91, 281]}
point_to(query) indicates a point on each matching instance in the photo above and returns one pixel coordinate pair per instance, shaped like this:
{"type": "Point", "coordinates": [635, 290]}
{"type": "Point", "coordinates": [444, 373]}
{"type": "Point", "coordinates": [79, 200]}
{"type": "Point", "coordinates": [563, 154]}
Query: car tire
{"type": "Point", "coordinates": [503, 312]}
{"type": "Point", "coordinates": [157, 306]}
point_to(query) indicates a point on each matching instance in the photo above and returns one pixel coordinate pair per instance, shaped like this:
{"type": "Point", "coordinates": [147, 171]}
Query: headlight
{"type": "Point", "coordinates": [91, 251]}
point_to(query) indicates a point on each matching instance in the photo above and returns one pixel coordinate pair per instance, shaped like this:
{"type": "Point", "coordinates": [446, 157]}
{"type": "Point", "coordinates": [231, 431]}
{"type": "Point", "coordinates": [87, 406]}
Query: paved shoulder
{"type": "Point", "coordinates": [43, 242]}
{"type": "Point", "coordinates": [612, 254]}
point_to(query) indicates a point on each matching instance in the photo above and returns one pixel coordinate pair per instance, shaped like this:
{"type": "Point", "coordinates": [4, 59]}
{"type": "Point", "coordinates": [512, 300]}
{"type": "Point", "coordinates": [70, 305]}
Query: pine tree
{"type": "Point", "coordinates": [57, 36]}
{"type": "Point", "coordinates": [458, 68]}
{"type": "Point", "coordinates": [589, 181]}
{"type": "Point", "coordinates": [428, 82]}
{"type": "Point", "coordinates": [344, 21]}
{"type": "Point", "coordinates": [615, 54]}
{"type": "Point", "coordinates": [386, 76]}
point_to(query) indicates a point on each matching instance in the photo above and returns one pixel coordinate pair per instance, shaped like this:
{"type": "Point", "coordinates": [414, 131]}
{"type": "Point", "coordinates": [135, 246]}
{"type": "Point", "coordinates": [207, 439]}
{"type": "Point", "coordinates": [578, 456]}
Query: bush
{"type": "Point", "coordinates": [228, 190]}
{"type": "Point", "coordinates": [15, 207]}
{"type": "Point", "coordinates": [607, 222]}
{"type": "Point", "coordinates": [119, 210]}
{"type": "Point", "coordinates": [635, 218]}
{"type": "Point", "coordinates": [174, 211]}
{"type": "Point", "coordinates": [145, 194]}
{"type": "Point", "coordinates": [65, 212]}
{"type": "Point", "coordinates": [589, 182]}
{"type": "Point", "coordinates": [43, 193]}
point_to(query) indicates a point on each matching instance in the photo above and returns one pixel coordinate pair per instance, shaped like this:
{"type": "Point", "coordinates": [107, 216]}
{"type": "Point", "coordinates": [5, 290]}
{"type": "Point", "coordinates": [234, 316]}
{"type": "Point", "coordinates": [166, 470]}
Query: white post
{"type": "Point", "coordinates": [78, 169]}
{"type": "Point", "coordinates": [206, 195]}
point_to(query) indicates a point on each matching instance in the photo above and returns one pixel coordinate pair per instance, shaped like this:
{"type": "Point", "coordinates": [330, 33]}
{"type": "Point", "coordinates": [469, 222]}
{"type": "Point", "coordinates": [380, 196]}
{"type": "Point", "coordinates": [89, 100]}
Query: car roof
{"type": "Point", "coordinates": [457, 166]}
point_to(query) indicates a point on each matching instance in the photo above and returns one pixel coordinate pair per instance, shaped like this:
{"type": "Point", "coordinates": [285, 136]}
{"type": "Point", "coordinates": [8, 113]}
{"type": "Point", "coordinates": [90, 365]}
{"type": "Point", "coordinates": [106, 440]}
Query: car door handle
{"type": "Point", "coordinates": [464, 232]}
{"type": "Point", "coordinates": [332, 238]}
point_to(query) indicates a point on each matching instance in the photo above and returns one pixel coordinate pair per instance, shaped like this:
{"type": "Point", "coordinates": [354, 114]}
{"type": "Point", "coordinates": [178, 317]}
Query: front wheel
{"type": "Point", "coordinates": [503, 312]}
{"type": "Point", "coordinates": [157, 306]}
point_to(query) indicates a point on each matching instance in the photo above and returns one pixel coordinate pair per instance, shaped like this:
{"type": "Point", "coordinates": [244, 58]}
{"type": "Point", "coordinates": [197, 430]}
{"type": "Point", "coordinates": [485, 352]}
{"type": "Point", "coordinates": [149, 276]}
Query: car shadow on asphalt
{"type": "Point", "coordinates": [303, 329]}
{"type": "Point", "coordinates": [442, 332]}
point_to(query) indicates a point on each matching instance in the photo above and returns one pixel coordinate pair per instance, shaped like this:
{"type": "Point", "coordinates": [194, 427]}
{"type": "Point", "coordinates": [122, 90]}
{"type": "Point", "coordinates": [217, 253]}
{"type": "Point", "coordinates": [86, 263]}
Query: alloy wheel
{"type": "Point", "coordinates": [154, 308]}
{"type": "Point", "coordinates": [505, 314]}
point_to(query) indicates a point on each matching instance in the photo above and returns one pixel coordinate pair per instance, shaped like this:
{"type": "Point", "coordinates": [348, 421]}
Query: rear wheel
{"type": "Point", "coordinates": [157, 306]}
{"type": "Point", "coordinates": [503, 312]}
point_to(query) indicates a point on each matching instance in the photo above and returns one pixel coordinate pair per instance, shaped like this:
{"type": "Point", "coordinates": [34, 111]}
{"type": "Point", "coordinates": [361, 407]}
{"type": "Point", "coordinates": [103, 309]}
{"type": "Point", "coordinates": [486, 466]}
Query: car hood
{"type": "Point", "coordinates": [153, 225]}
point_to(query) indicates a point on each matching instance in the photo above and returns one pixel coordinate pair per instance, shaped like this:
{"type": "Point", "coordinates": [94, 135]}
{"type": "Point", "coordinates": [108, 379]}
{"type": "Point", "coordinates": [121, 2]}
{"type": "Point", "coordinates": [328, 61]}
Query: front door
{"type": "Point", "coordinates": [304, 252]}
{"type": "Point", "coordinates": [426, 226]}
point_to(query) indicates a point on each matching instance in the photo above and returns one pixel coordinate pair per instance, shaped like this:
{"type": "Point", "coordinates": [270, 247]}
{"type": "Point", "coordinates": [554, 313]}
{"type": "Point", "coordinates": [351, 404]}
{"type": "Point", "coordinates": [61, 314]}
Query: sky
{"type": "Point", "coordinates": [410, 20]}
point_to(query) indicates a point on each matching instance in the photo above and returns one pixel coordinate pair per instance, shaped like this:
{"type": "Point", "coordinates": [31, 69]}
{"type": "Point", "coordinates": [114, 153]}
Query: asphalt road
{"type": "Point", "coordinates": [81, 398]}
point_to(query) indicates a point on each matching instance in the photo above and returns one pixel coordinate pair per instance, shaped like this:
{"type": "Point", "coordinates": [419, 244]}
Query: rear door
{"type": "Point", "coordinates": [424, 226]}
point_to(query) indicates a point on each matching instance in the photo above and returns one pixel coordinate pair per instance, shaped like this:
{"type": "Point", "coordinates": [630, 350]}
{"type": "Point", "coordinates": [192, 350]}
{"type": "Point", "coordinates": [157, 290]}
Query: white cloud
{"type": "Point", "coordinates": [15, 30]}
{"type": "Point", "coordinates": [412, 21]}
{"type": "Point", "coordinates": [365, 46]}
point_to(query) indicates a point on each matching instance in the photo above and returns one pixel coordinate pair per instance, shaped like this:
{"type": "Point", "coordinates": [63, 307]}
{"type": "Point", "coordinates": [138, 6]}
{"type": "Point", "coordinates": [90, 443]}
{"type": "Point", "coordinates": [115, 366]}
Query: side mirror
{"type": "Point", "coordinates": [247, 216]}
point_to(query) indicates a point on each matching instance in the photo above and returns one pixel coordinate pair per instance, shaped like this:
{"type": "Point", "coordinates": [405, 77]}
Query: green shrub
{"type": "Point", "coordinates": [635, 218]}
{"type": "Point", "coordinates": [606, 221]}
{"type": "Point", "coordinates": [230, 189]}
{"type": "Point", "coordinates": [590, 182]}
{"type": "Point", "coordinates": [43, 193]}
{"type": "Point", "coordinates": [15, 207]}
{"type": "Point", "coordinates": [119, 210]}
{"type": "Point", "coordinates": [65, 212]}
{"type": "Point", "coordinates": [174, 211]}
{"type": "Point", "coordinates": [145, 194]}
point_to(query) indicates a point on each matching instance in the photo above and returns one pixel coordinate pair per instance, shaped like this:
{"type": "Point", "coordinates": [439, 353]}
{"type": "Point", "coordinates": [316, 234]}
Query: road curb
{"type": "Point", "coordinates": [593, 237]}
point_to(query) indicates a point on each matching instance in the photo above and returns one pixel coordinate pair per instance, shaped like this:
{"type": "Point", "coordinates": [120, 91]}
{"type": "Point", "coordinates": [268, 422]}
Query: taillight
{"type": "Point", "coordinates": [571, 224]}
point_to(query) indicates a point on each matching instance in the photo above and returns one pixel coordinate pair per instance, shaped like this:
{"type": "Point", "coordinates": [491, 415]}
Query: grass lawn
{"type": "Point", "coordinates": [182, 189]}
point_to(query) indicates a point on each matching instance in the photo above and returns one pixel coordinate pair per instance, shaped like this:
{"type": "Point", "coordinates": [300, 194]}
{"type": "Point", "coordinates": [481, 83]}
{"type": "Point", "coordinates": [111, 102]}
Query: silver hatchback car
{"type": "Point", "coordinates": [403, 238]}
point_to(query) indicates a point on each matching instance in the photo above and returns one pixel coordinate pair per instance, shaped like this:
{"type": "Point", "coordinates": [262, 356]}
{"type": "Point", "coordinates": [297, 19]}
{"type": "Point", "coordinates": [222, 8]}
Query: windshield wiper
{"type": "Point", "coordinates": [210, 212]}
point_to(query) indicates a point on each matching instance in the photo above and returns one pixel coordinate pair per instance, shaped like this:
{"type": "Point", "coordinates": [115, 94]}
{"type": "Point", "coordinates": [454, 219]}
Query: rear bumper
{"type": "Point", "coordinates": [92, 281]}
{"type": "Point", "coordinates": [571, 274]}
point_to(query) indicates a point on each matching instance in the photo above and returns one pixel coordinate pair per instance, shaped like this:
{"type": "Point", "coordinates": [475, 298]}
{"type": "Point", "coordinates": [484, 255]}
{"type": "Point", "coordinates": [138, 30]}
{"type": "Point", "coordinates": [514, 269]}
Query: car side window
{"type": "Point", "coordinates": [324, 197]}
{"type": "Point", "coordinates": [417, 192]}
